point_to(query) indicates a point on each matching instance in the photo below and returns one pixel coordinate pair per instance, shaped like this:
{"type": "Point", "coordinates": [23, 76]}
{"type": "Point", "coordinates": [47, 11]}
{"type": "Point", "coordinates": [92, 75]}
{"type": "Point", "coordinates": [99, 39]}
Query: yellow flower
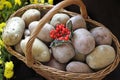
{"type": "Point", "coordinates": [42, 1]}
{"type": "Point", "coordinates": [1, 6]}
{"type": "Point", "coordinates": [8, 4]}
{"type": "Point", "coordinates": [37, 1]}
{"type": "Point", "coordinates": [8, 72]}
{"type": "Point", "coordinates": [50, 2]}
{"type": "Point", "coordinates": [18, 2]}
{"type": "Point", "coordinates": [9, 65]}
{"type": "Point", "coordinates": [3, 24]}
{"type": "Point", "coordinates": [5, 3]}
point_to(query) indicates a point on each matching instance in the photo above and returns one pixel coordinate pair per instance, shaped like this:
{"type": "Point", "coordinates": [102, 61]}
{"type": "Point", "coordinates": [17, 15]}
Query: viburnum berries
{"type": "Point", "coordinates": [61, 32]}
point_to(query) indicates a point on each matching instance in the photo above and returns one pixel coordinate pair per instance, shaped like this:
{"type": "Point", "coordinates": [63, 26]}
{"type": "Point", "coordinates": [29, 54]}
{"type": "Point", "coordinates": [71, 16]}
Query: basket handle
{"type": "Point", "coordinates": [46, 18]}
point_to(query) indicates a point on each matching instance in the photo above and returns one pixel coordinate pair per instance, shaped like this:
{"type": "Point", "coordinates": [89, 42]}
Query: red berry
{"type": "Point", "coordinates": [60, 33]}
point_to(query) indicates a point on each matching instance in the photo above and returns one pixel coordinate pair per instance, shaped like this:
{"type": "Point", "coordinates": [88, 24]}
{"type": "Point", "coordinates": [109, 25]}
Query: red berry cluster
{"type": "Point", "coordinates": [60, 33]}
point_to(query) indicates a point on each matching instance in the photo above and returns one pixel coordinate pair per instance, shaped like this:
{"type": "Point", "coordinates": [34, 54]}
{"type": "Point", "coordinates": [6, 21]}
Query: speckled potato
{"type": "Point", "coordinates": [59, 18]}
{"type": "Point", "coordinates": [55, 64]}
{"type": "Point", "coordinates": [77, 22]}
{"type": "Point", "coordinates": [31, 15]}
{"type": "Point", "coordinates": [44, 33]}
{"type": "Point", "coordinates": [78, 67]}
{"type": "Point", "coordinates": [13, 31]}
{"type": "Point", "coordinates": [83, 41]}
{"type": "Point", "coordinates": [40, 51]}
{"type": "Point", "coordinates": [101, 56]}
{"type": "Point", "coordinates": [102, 35]}
{"type": "Point", "coordinates": [63, 53]}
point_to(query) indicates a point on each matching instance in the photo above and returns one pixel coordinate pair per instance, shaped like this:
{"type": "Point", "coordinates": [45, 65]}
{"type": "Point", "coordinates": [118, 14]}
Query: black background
{"type": "Point", "coordinates": [106, 12]}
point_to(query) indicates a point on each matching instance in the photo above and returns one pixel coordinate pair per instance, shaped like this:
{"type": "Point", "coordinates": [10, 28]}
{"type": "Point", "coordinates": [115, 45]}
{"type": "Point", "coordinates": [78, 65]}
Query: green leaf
{"type": "Point", "coordinates": [57, 42]}
{"type": "Point", "coordinates": [70, 26]}
{"type": "Point", "coordinates": [1, 74]}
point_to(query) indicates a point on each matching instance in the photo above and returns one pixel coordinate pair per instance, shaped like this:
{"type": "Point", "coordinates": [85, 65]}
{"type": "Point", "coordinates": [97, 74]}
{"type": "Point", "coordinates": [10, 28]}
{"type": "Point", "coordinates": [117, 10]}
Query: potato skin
{"type": "Point", "coordinates": [100, 57]}
{"type": "Point", "coordinates": [59, 18]}
{"type": "Point", "coordinates": [18, 48]}
{"type": "Point", "coordinates": [55, 64]}
{"type": "Point", "coordinates": [63, 53]}
{"type": "Point", "coordinates": [13, 31]}
{"type": "Point", "coordinates": [79, 57]}
{"type": "Point", "coordinates": [83, 41]}
{"type": "Point", "coordinates": [44, 34]}
{"type": "Point", "coordinates": [78, 67]}
{"type": "Point", "coordinates": [40, 51]}
{"type": "Point", "coordinates": [77, 22]}
{"type": "Point", "coordinates": [102, 36]}
{"type": "Point", "coordinates": [31, 15]}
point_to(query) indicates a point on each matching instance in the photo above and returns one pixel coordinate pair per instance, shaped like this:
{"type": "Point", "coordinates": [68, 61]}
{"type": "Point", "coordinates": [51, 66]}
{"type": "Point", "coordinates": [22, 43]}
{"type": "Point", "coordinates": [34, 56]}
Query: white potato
{"type": "Point", "coordinates": [31, 15]}
{"type": "Point", "coordinates": [13, 31]}
{"type": "Point", "coordinates": [44, 33]}
{"type": "Point", "coordinates": [18, 48]}
{"type": "Point", "coordinates": [40, 51]}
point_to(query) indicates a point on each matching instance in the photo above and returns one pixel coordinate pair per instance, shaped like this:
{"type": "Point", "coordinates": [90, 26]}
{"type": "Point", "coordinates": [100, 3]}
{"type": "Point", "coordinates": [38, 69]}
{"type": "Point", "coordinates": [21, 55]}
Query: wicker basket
{"type": "Point", "coordinates": [51, 73]}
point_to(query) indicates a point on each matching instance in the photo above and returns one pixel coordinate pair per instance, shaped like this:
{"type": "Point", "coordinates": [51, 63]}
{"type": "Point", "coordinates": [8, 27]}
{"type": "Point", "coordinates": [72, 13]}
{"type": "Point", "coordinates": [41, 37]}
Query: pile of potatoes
{"type": "Point", "coordinates": [87, 50]}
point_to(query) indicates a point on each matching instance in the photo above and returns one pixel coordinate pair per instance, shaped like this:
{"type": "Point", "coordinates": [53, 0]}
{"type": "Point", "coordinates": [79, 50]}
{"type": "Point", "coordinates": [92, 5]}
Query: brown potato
{"type": "Point", "coordinates": [59, 18]}
{"type": "Point", "coordinates": [63, 53]}
{"type": "Point", "coordinates": [78, 67]}
{"type": "Point", "coordinates": [31, 15]}
{"type": "Point", "coordinates": [77, 22]}
{"type": "Point", "coordinates": [83, 41]}
{"type": "Point", "coordinates": [102, 35]}
{"type": "Point", "coordinates": [101, 56]}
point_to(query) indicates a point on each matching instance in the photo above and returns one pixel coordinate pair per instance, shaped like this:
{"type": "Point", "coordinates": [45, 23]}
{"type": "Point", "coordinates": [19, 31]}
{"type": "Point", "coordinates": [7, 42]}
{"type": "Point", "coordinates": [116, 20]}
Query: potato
{"type": "Point", "coordinates": [44, 34]}
{"type": "Point", "coordinates": [40, 51]}
{"type": "Point", "coordinates": [13, 31]}
{"type": "Point", "coordinates": [59, 18]}
{"type": "Point", "coordinates": [18, 48]}
{"type": "Point", "coordinates": [101, 56]}
{"type": "Point", "coordinates": [26, 33]}
{"type": "Point", "coordinates": [77, 22]}
{"type": "Point", "coordinates": [78, 67]}
{"type": "Point", "coordinates": [83, 41]}
{"type": "Point", "coordinates": [63, 53]}
{"type": "Point", "coordinates": [31, 15]}
{"type": "Point", "coordinates": [79, 56]}
{"type": "Point", "coordinates": [102, 35]}
{"type": "Point", "coordinates": [55, 64]}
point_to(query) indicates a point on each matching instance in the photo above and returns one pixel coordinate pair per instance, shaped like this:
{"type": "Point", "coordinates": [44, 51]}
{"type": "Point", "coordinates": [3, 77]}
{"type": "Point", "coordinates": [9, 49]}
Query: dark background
{"type": "Point", "coordinates": [106, 12]}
